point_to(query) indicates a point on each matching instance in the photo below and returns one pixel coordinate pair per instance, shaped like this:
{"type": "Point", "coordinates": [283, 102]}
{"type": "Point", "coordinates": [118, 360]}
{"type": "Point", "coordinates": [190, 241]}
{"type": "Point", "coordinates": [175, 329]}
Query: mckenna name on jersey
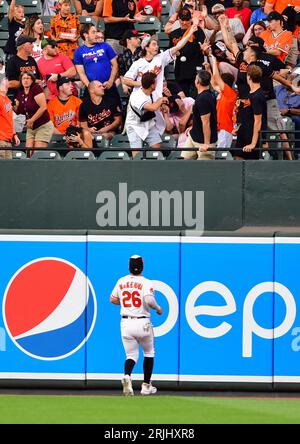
{"type": "Point", "coordinates": [136, 285]}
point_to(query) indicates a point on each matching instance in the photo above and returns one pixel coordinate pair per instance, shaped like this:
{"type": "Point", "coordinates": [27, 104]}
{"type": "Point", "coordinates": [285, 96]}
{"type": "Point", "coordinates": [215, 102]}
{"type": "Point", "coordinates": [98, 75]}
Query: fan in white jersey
{"type": "Point", "coordinates": [153, 61]}
{"type": "Point", "coordinates": [135, 295]}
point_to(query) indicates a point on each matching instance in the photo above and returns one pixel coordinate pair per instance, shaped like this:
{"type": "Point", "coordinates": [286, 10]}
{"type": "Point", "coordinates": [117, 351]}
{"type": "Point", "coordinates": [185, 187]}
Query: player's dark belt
{"type": "Point", "coordinates": [134, 317]}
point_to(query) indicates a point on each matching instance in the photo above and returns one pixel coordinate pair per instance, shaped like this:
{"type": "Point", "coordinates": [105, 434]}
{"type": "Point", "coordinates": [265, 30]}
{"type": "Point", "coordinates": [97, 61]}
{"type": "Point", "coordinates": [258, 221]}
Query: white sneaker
{"type": "Point", "coordinates": [127, 386]}
{"type": "Point", "coordinates": [148, 389]}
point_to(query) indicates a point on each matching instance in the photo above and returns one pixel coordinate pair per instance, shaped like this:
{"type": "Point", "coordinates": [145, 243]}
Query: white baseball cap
{"type": "Point", "coordinates": [146, 39]}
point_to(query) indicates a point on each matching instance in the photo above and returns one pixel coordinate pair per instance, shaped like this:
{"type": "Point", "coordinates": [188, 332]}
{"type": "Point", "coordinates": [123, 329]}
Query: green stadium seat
{"type": "Point", "coordinates": [79, 155]}
{"type": "Point", "coordinates": [101, 141]}
{"type": "Point", "coordinates": [3, 38]}
{"type": "Point", "coordinates": [153, 155]}
{"type": "Point", "coordinates": [18, 155]}
{"type": "Point", "coordinates": [87, 19]}
{"type": "Point", "coordinates": [31, 7]}
{"type": "Point", "coordinates": [151, 25]}
{"type": "Point", "coordinates": [3, 7]}
{"type": "Point", "coordinates": [4, 23]}
{"type": "Point", "coordinates": [170, 72]}
{"type": "Point", "coordinates": [175, 155]}
{"type": "Point", "coordinates": [101, 24]}
{"type": "Point", "coordinates": [45, 155]}
{"type": "Point", "coordinates": [165, 12]}
{"type": "Point", "coordinates": [114, 155]}
{"type": "Point", "coordinates": [163, 40]}
{"type": "Point", "coordinates": [120, 141]}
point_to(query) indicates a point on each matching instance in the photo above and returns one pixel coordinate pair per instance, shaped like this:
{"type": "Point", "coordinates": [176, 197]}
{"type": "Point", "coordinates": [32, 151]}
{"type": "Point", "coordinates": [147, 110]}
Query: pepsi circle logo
{"type": "Point", "coordinates": [49, 308]}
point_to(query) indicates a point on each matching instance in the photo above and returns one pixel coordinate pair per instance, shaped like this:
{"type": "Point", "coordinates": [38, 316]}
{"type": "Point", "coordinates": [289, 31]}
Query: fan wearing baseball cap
{"type": "Point", "coordinates": [190, 56]}
{"type": "Point", "coordinates": [64, 109]}
{"type": "Point", "coordinates": [154, 61]}
{"type": "Point", "coordinates": [278, 41]}
{"type": "Point", "coordinates": [131, 41]}
{"type": "Point", "coordinates": [21, 62]}
{"type": "Point", "coordinates": [53, 63]}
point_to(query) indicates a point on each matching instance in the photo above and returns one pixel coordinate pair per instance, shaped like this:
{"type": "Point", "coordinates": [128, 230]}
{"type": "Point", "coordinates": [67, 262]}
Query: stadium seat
{"type": "Point", "coordinates": [152, 155]}
{"type": "Point", "coordinates": [151, 25]}
{"type": "Point", "coordinates": [79, 155]}
{"type": "Point", "coordinates": [3, 23]}
{"type": "Point", "coordinates": [31, 7]}
{"type": "Point", "coordinates": [114, 155]}
{"type": "Point", "coordinates": [3, 38]}
{"type": "Point", "coordinates": [165, 12]}
{"type": "Point", "coordinates": [168, 141]}
{"type": "Point", "coordinates": [87, 19]}
{"type": "Point", "coordinates": [163, 40]}
{"type": "Point", "coordinates": [120, 141]}
{"type": "Point", "coordinates": [45, 155]}
{"type": "Point", "coordinates": [18, 155]}
{"type": "Point", "coordinates": [101, 24]}
{"type": "Point", "coordinates": [170, 72]}
{"type": "Point", "coordinates": [221, 155]}
{"type": "Point", "coordinates": [3, 7]}
{"type": "Point", "coordinates": [175, 155]}
{"type": "Point", "coordinates": [101, 141]}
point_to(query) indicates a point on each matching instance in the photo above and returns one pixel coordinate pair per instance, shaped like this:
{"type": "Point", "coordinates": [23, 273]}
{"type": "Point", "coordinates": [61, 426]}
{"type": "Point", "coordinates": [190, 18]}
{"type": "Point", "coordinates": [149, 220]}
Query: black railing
{"type": "Point", "coordinates": [291, 139]}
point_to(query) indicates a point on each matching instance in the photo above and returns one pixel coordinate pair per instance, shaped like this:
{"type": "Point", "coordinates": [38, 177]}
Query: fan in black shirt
{"type": "Point", "coordinates": [99, 113]}
{"type": "Point", "coordinates": [190, 56]}
{"type": "Point", "coordinates": [257, 115]}
{"type": "Point", "coordinates": [21, 62]}
{"type": "Point", "coordinates": [16, 25]}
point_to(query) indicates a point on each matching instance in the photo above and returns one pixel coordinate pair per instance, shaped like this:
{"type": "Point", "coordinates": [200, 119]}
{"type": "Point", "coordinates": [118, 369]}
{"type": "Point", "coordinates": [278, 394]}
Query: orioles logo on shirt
{"type": "Point", "coordinates": [156, 70]}
{"type": "Point", "coordinates": [7, 107]}
{"type": "Point", "coordinates": [243, 67]}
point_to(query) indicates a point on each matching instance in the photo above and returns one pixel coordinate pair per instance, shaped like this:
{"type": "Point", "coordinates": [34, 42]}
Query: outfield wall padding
{"type": "Point", "coordinates": [230, 309]}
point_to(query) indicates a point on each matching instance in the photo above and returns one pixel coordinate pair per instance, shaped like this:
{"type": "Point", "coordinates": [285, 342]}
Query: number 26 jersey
{"type": "Point", "coordinates": [132, 292]}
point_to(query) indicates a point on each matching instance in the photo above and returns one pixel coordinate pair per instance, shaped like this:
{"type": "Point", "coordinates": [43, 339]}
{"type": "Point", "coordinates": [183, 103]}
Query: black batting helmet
{"type": "Point", "coordinates": [136, 264]}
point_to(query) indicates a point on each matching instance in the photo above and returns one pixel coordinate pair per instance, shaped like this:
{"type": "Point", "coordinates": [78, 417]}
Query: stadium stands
{"type": "Point", "coordinates": [31, 6]}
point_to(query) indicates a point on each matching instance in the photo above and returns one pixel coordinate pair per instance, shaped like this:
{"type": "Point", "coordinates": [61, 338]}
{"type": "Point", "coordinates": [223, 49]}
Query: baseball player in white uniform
{"type": "Point", "coordinates": [135, 295]}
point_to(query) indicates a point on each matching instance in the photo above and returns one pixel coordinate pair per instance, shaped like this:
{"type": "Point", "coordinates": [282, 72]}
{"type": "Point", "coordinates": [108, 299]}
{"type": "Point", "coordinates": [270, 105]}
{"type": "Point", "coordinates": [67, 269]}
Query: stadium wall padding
{"type": "Point", "coordinates": [230, 306]}
{"type": "Point", "coordinates": [37, 194]}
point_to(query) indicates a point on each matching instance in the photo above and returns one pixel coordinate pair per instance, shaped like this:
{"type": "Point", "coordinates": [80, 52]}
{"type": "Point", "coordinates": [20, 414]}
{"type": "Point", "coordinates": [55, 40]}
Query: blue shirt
{"type": "Point", "coordinates": [257, 15]}
{"type": "Point", "coordinates": [95, 60]}
{"type": "Point", "coordinates": [286, 100]}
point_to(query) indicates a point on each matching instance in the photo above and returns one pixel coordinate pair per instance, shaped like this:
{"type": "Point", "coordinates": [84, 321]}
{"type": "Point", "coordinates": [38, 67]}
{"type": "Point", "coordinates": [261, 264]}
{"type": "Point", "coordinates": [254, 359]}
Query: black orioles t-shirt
{"type": "Point", "coordinates": [190, 56]}
{"type": "Point", "coordinates": [98, 116]}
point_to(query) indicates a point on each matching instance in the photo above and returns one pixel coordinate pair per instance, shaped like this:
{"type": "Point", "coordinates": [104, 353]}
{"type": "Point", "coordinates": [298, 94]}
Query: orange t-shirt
{"type": "Point", "coordinates": [283, 42]}
{"type": "Point", "coordinates": [6, 119]}
{"type": "Point", "coordinates": [280, 5]}
{"type": "Point", "coordinates": [225, 108]}
{"type": "Point", "coordinates": [62, 115]}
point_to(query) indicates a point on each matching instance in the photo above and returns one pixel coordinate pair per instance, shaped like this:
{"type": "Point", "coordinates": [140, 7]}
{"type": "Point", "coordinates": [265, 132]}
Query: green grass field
{"type": "Point", "coordinates": [30, 409]}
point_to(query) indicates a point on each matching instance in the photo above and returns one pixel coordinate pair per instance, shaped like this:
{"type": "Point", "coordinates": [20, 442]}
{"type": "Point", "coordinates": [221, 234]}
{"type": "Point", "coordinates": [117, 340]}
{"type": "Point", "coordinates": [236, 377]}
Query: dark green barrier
{"type": "Point", "coordinates": [271, 191]}
{"type": "Point", "coordinates": [65, 195]}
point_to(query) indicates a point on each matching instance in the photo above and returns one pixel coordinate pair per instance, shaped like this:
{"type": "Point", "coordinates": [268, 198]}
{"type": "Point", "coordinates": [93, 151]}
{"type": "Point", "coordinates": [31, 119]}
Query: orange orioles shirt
{"type": "Point", "coordinates": [282, 41]}
{"type": "Point", "coordinates": [66, 29]}
{"type": "Point", "coordinates": [64, 114]}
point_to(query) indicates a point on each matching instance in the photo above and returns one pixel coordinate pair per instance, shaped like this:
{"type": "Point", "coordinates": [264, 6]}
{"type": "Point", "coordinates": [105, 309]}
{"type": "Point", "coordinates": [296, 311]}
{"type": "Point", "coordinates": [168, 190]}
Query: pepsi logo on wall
{"type": "Point", "coordinates": [49, 308]}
